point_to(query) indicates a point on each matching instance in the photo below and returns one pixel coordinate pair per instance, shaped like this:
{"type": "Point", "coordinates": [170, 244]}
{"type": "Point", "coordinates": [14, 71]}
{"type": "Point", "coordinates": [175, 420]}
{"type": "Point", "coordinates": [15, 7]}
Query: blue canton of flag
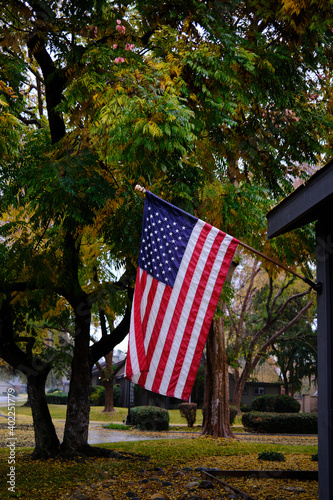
{"type": "Point", "coordinates": [165, 234]}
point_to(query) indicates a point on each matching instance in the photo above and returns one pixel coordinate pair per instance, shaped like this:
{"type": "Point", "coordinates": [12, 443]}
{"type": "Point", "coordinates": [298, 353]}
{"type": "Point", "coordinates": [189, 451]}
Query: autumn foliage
{"type": "Point", "coordinates": [216, 107]}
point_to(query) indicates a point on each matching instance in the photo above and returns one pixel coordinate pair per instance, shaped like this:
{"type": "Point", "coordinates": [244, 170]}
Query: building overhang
{"type": "Point", "coordinates": [311, 201]}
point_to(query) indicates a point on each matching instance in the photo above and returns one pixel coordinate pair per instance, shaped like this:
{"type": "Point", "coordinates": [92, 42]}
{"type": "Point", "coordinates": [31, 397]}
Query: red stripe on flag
{"type": "Point", "coordinates": [179, 307]}
{"type": "Point", "coordinates": [137, 321]}
{"type": "Point", "coordinates": [193, 315]}
{"type": "Point", "coordinates": [129, 371]}
{"type": "Point", "coordinates": [156, 328]}
{"type": "Point", "coordinates": [208, 318]}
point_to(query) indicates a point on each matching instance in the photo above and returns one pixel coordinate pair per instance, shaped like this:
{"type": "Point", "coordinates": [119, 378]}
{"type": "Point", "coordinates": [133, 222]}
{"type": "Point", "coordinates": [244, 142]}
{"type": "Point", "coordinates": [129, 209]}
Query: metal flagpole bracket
{"type": "Point", "coordinates": [317, 287]}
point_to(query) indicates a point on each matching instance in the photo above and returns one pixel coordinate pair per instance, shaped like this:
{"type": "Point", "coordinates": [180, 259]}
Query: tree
{"type": "Point", "coordinates": [296, 355]}
{"type": "Point", "coordinates": [55, 197]}
{"type": "Point", "coordinates": [245, 127]}
{"type": "Point", "coordinates": [216, 404]}
{"type": "Point", "coordinates": [107, 375]}
{"type": "Point", "coordinates": [109, 95]}
{"type": "Point", "coordinates": [259, 318]}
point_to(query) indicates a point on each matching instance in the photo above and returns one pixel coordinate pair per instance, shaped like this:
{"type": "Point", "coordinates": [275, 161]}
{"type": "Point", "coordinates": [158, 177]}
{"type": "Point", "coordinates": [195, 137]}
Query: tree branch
{"type": "Point", "coordinates": [106, 344]}
{"type": "Point", "coordinates": [30, 121]}
{"type": "Point", "coordinates": [272, 339]}
{"type": "Point", "coordinates": [55, 82]}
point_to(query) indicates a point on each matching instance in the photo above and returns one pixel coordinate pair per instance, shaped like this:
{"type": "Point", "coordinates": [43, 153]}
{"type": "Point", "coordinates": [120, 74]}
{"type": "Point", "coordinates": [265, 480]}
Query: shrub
{"type": "Point", "coordinates": [245, 408]}
{"type": "Point", "coordinates": [314, 457]}
{"type": "Point", "coordinates": [189, 412]}
{"type": "Point", "coordinates": [97, 396]}
{"type": "Point", "coordinates": [233, 413]}
{"type": "Point", "coordinates": [281, 423]}
{"type": "Point", "coordinates": [119, 427]}
{"type": "Point", "coordinates": [150, 418]}
{"type": "Point", "coordinates": [57, 398]}
{"type": "Point", "coordinates": [273, 456]}
{"type": "Point", "coordinates": [286, 404]}
{"type": "Point", "coordinates": [280, 403]}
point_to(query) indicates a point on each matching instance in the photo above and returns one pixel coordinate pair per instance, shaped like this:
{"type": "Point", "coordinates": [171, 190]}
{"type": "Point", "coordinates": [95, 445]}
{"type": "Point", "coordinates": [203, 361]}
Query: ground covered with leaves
{"type": "Point", "coordinates": [168, 469]}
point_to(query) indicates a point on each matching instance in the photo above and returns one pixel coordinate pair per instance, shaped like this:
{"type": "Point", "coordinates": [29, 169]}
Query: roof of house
{"type": "Point", "coordinates": [264, 373]}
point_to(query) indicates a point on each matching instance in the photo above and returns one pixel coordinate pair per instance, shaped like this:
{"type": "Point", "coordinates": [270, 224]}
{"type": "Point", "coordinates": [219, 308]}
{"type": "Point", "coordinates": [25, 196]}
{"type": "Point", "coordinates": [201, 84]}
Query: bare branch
{"type": "Point", "coordinates": [30, 121]}
{"type": "Point", "coordinates": [281, 290]}
{"type": "Point", "coordinates": [272, 339]}
{"type": "Point", "coordinates": [293, 297]}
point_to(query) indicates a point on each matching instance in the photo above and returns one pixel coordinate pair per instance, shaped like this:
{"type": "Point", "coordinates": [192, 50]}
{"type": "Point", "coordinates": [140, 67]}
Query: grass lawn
{"type": "Point", "coordinates": [58, 412]}
{"type": "Point", "coordinates": [55, 479]}
{"type": "Point", "coordinates": [103, 479]}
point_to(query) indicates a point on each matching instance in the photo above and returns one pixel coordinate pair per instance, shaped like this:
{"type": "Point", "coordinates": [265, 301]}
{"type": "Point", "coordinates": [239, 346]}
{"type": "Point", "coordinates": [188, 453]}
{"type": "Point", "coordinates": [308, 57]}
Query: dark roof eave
{"type": "Point", "coordinates": [308, 203]}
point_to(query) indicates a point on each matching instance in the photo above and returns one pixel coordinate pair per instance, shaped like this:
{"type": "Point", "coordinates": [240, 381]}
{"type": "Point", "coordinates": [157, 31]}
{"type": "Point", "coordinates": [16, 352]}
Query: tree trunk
{"type": "Point", "coordinates": [107, 381]}
{"type": "Point", "coordinates": [239, 388]}
{"type": "Point", "coordinates": [108, 384]}
{"type": "Point", "coordinates": [78, 406]}
{"type": "Point", "coordinates": [216, 413]}
{"type": "Point", "coordinates": [46, 441]}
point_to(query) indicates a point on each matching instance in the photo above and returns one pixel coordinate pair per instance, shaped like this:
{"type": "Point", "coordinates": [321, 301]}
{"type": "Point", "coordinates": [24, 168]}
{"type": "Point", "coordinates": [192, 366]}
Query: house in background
{"type": "Point", "coordinates": [118, 357]}
{"type": "Point", "coordinates": [264, 380]}
{"type": "Point", "coordinates": [131, 393]}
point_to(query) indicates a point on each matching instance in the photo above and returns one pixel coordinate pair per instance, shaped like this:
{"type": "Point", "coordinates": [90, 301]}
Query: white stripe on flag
{"type": "Point", "coordinates": [196, 330]}
{"type": "Point", "coordinates": [200, 319]}
{"type": "Point", "coordinates": [153, 369]}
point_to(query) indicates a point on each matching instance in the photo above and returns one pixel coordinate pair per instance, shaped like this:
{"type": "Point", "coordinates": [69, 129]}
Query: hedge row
{"type": "Point", "coordinates": [57, 399]}
{"type": "Point", "coordinates": [97, 397]}
{"type": "Point", "coordinates": [150, 418]}
{"type": "Point", "coordinates": [281, 423]}
{"type": "Point", "coordinates": [279, 403]}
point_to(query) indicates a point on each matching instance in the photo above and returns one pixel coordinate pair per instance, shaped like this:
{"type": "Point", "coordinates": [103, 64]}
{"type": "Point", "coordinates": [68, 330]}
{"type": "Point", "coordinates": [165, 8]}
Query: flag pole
{"type": "Point", "coordinates": [315, 286]}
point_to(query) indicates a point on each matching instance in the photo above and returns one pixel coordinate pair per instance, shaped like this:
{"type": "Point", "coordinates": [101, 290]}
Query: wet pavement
{"type": "Point", "coordinates": [98, 434]}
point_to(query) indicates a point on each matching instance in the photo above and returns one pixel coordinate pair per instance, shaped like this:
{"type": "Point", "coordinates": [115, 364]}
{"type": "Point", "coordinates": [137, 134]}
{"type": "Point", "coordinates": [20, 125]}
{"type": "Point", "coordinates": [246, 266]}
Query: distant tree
{"type": "Point", "coordinates": [265, 312]}
{"type": "Point", "coordinates": [108, 372]}
{"type": "Point", "coordinates": [296, 355]}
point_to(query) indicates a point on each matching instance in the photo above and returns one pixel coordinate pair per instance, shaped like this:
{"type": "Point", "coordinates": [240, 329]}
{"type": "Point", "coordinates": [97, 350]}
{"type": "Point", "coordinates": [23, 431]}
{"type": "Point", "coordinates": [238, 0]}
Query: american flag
{"type": "Point", "coordinates": [183, 263]}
